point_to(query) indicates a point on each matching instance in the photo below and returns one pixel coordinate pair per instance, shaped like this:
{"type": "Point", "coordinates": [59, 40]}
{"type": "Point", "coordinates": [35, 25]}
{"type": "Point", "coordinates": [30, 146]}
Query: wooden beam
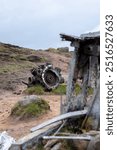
{"type": "Point", "coordinates": [59, 118]}
{"type": "Point", "coordinates": [78, 137]}
{"type": "Point", "coordinates": [33, 139]}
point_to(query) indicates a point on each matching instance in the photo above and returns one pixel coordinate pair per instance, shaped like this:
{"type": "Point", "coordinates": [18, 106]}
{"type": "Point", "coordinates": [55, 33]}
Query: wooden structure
{"type": "Point", "coordinates": [84, 66]}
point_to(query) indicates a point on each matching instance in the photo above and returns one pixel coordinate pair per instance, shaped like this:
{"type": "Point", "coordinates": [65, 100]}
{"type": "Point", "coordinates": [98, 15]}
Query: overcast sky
{"type": "Point", "coordinates": [38, 23]}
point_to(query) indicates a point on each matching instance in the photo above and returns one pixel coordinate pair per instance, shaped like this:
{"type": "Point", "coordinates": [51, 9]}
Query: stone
{"type": "Point", "coordinates": [57, 146]}
{"type": "Point", "coordinates": [34, 58]}
{"type": "Point", "coordinates": [50, 143]}
{"type": "Point", "coordinates": [94, 144]}
{"type": "Point", "coordinates": [80, 144]}
{"type": "Point", "coordinates": [28, 99]}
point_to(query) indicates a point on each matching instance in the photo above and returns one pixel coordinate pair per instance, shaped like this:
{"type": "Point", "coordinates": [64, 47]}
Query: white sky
{"type": "Point", "coordinates": [38, 23]}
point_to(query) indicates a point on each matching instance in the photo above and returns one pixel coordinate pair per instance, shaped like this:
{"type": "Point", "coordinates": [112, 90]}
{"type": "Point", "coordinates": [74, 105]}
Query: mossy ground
{"type": "Point", "coordinates": [60, 90]}
{"type": "Point", "coordinates": [36, 90]}
{"type": "Point", "coordinates": [33, 109]}
{"type": "Point", "coordinates": [90, 91]}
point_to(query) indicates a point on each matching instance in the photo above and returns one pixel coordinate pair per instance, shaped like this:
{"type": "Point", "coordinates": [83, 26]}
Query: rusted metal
{"type": "Point", "coordinates": [84, 66]}
{"type": "Point", "coordinates": [45, 75]}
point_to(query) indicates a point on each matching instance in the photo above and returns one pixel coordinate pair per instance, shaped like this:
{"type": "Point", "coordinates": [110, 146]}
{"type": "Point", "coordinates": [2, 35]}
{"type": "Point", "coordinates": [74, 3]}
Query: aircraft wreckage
{"type": "Point", "coordinates": [80, 111]}
{"type": "Point", "coordinates": [45, 75]}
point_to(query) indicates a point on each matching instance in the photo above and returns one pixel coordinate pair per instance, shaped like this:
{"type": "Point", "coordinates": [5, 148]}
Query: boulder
{"type": "Point", "coordinates": [94, 144]}
{"type": "Point", "coordinates": [34, 58]}
{"type": "Point", "coordinates": [28, 99]}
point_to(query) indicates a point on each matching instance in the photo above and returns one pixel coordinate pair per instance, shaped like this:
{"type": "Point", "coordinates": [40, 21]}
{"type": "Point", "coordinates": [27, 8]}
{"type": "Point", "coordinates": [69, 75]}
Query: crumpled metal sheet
{"type": "Point", "coordinates": [5, 141]}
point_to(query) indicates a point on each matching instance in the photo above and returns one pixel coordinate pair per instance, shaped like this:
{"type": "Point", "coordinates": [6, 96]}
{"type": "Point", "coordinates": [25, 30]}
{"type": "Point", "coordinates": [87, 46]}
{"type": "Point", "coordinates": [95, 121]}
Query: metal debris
{"type": "Point", "coordinates": [45, 75]}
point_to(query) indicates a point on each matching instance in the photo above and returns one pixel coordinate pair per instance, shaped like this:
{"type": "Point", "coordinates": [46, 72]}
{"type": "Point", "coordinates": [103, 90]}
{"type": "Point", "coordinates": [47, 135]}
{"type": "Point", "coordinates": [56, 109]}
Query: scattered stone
{"type": "Point", "coordinates": [17, 92]}
{"type": "Point", "coordinates": [57, 146]}
{"type": "Point", "coordinates": [80, 144]}
{"type": "Point", "coordinates": [50, 143]}
{"type": "Point", "coordinates": [34, 58]}
{"type": "Point", "coordinates": [94, 144]}
{"type": "Point", "coordinates": [28, 99]}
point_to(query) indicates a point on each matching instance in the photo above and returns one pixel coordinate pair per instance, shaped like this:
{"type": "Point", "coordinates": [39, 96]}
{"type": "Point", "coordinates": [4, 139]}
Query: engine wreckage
{"type": "Point", "coordinates": [46, 76]}
{"type": "Point", "coordinates": [80, 111]}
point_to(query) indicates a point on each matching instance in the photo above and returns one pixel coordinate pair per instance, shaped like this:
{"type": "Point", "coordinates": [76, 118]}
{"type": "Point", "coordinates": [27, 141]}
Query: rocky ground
{"type": "Point", "coordinates": [18, 128]}
{"type": "Point", "coordinates": [15, 65]}
{"type": "Point", "coordinates": [16, 62]}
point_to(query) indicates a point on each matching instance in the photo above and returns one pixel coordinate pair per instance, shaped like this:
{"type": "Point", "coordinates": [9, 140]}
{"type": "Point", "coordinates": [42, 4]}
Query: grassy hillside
{"type": "Point", "coordinates": [16, 62]}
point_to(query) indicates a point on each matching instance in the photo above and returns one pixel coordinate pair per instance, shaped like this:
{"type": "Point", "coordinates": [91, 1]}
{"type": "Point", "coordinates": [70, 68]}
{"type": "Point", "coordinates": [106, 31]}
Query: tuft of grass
{"type": "Point", "coordinates": [33, 109]}
{"type": "Point", "coordinates": [90, 91]}
{"type": "Point", "coordinates": [40, 147]}
{"type": "Point", "coordinates": [60, 90]}
{"type": "Point", "coordinates": [59, 51]}
{"type": "Point", "coordinates": [77, 89]}
{"type": "Point", "coordinates": [54, 50]}
{"type": "Point", "coordinates": [15, 67]}
{"type": "Point", "coordinates": [36, 90]}
{"type": "Point", "coordinates": [43, 59]}
{"type": "Point", "coordinates": [89, 123]}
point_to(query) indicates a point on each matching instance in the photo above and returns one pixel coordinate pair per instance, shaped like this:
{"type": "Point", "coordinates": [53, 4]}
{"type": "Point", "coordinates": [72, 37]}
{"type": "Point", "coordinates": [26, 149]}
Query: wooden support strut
{"type": "Point", "coordinates": [78, 137]}
{"type": "Point", "coordinates": [59, 118]}
{"type": "Point", "coordinates": [34, 138]}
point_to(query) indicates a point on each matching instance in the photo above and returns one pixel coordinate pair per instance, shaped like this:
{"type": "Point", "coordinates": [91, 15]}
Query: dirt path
{"type": "Point", "coordinates": [18, 128]}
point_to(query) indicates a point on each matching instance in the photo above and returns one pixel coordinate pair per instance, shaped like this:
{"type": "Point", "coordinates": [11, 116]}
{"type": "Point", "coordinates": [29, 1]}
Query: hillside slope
{"type": "Point", "coordinates": [16, 62]}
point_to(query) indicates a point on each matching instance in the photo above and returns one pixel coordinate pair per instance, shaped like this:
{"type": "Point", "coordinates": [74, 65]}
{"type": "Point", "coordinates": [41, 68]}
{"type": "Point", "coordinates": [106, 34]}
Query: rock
{"type": "Point", "coordinates": [80, 144]}
{"type": "Point", "coordinates": [28, 99]}
{"type": "Point", "coordinates": [29, 107]}
{"type": "Point", "coordinates": [50, 143]}
{"type": "Point", "coordinates": [57, 146]}
{"type": "Point", "coordinates": [94, 144]}
{"type": "Point", "coordinates": [17, 92]}
{"type": "Point", "coordinates": [54, 144]}
{"type": "Point", "coordinates": [34, 58]}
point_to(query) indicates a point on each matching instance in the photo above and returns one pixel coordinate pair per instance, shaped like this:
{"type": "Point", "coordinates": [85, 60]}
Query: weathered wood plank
{"type": "Point", "coordinates": [34, 138]}
{"type": "Point", "coordinates": [59, 118]}
{"type": "Point", "coordinates": [78, 137]}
